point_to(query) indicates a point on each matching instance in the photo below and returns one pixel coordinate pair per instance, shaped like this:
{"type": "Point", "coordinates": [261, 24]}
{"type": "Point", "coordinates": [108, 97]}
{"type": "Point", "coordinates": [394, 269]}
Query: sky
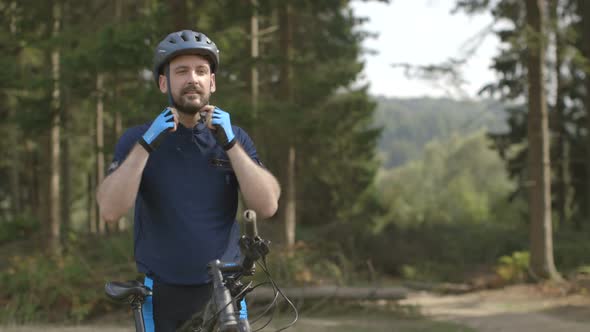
{"type": "Point", "coordinates": [422, 32]}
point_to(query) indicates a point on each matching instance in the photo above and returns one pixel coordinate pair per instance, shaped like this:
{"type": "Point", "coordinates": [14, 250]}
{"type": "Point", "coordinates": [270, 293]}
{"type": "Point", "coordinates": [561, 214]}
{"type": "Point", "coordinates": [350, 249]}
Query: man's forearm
{"type": "Point", "coordinates": [118, 191]}
{"type": "Point", "coordinates": [259, 187]}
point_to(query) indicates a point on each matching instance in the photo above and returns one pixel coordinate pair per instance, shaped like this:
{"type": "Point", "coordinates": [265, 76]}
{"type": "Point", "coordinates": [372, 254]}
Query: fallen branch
{"type": "Point", "coordinates": [332, 292]}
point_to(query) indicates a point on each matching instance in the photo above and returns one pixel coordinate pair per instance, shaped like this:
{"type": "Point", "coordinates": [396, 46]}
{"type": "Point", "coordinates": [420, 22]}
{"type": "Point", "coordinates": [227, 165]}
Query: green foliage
{"type": "Point", "coordinates": [339, 170]}
{"type": "Point", "coordinates": [325, 119]}
{"type": "Point", "coordinates": [515, 267]}
{"type": "Point", "coordinates": [409, 124]}
{"type": "Point", "coordinates": [450, 252]}
{"type": "Point", "coordinates": [312, 265]}
{"type": "Point", "coordinates": [458, 181]}
{"type": "Point", "coordinates": [584, 269]}
{"type": "Point", "coordinates": [447, 213]}
{"type": "Point", "coordinates": [441, 252]}
{"type": "Point", "coordinates": [571, 249]}
{"type": "Point", "coordinates": [19, 228]}
{"type": "Point", "coordinates": [69, 288]}
{"type": "Point", "coordinates": [409, 272]}
{"type": "Point", "coordinates": [567, 103]}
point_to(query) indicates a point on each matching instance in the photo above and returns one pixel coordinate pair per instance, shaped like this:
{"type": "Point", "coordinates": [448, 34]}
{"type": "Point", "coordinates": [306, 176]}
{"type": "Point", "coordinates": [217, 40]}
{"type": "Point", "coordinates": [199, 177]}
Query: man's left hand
{"type": "Point", "coordinates": [223, 129]}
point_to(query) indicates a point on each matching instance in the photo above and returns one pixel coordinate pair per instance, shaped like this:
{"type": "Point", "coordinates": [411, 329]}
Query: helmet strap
{"type": "Point", "coordinates": [168, 87]}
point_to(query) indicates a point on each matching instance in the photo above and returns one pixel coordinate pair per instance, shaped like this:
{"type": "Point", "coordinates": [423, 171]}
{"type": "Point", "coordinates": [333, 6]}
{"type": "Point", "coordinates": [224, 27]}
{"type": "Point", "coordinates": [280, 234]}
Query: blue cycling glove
{"type": "Point", "coordinates": [161, 125]}
{"type": "Point", "coordinates": [223, 133]}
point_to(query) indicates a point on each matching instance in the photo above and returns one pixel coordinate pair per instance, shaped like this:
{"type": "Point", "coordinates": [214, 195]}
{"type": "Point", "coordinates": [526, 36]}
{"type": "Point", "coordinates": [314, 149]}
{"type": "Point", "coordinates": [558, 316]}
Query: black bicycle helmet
{"type": "Point", "coordinates": [184, 42]}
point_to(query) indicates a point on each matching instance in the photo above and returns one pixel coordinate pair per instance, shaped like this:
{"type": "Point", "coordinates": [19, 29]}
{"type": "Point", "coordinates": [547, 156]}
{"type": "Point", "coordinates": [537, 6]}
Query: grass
{"type": "Point", "coordinates": [69, 288]}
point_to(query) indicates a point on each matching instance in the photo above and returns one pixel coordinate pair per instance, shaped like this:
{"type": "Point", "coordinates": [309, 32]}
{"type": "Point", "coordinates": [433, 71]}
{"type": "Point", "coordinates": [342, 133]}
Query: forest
{"type": "Point", "coordinates": [374, 188]}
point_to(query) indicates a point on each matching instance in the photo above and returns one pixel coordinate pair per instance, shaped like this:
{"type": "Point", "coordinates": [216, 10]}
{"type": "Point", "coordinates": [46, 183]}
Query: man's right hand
{"type": "Point", "coordinates": [164, 123]}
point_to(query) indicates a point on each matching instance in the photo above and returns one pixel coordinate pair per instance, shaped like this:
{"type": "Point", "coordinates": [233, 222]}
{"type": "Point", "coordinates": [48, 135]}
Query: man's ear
{"type": "Point", "coordinates": [213, 87]}
{"type": "Point", "coordinates": [163, 84]}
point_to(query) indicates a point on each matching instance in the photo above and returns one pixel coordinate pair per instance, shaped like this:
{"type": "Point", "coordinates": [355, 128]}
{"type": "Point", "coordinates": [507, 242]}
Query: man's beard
{"type": "Point", "coordinates": [191, 106]}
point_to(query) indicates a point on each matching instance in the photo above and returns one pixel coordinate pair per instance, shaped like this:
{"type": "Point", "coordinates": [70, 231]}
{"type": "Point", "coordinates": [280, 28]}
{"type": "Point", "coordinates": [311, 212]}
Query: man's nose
{"type": "Point", "coordinates": [193, 76]}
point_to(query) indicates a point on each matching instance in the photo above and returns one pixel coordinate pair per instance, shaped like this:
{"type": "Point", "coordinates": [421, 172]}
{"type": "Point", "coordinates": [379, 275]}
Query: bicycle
{"type": "Point", "coordinates": [224, 311]}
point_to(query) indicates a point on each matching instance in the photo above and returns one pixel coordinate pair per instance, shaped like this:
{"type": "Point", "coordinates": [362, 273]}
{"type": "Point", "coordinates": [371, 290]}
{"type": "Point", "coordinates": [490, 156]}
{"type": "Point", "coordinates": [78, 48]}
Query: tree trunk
{"type": "Point", "coordinates": [286, 40]}
{"type": "Point", "coordinates": [12, 136]}
{"type": "Point", "coordinates": [54, 143]}
{"type": "Point", "coordinates": [100, 143]}
{"type": "Point", "coordinates": [120, 225]}
{"type": "Point", "coordinates": [561, 150]}
{"type": "Point", "coordinates": [539, 188]}
{"type": "Point", "coordinates": [286, 79]}
{"type": "Point", "coordinates": [91, 203]}
{"type": "Point", "coordinates": [584, 9]}
{"type": "Point", "coordinates": [118, 120]}
{"type": "Point", "coordinates": [180, 10]}
{"type": "Point", "coordinates": [13, 155]}
{"type": "Point", "coordinates": [38, 183]}
{"type": "Point", "coordinates": [290, 225]}
{"type": "Point", "coordinates": [41, 160]}
{"type": "Point", "coordinates": [66, 176]}
{"type": "Point", "coordinates": [254, 54]}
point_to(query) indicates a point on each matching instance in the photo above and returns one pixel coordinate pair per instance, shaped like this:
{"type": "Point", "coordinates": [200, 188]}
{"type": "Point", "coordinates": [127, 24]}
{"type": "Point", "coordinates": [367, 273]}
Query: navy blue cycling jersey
{"type": "Point", "coordinates": [186, 205]}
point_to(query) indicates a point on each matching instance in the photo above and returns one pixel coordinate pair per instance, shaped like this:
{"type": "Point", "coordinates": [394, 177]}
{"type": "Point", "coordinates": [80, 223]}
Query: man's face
{"type": "Point", "coordinates": [191, 82]}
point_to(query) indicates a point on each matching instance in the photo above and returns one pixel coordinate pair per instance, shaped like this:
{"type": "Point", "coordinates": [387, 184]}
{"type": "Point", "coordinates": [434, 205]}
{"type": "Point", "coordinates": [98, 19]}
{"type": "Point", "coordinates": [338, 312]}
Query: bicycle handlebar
{"type": "Point", "coordinates": [253, 248]}
{"type": "Point", "coordinates": [248, 242]}
{"type": "Point", "coordinates": [251, 226]}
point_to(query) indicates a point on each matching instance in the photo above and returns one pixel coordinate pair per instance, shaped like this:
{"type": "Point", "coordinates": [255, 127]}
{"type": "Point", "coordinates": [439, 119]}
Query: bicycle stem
{"type": "Point", "coordinates": [223, 299]}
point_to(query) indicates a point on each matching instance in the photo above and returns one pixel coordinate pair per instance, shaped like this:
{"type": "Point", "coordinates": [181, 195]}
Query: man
{"type": "Point", "coordinates": [183, 171]}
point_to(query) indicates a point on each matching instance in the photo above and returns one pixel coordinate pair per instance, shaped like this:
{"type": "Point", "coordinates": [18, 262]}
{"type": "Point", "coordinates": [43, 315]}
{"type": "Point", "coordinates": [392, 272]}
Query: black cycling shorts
{"type": "Point", "coordinates": [172, 305]}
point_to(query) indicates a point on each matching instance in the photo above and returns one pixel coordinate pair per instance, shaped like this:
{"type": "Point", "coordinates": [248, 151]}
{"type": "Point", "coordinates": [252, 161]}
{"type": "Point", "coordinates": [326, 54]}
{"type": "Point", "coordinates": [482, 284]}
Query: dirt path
{"type": "Point", "coordinates": [97, 328]}
{"type": "Point", "coordinates": [522, 308]}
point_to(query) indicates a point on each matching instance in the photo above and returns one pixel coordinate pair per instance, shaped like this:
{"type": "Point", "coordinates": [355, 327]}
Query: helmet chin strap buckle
{"type": "Point", "coordinates": [202, 117]}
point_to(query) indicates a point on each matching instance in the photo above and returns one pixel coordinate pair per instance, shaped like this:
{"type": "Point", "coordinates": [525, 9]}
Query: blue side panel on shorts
{"type": "Point", "coordinates": [244, 310]}
{"type": "Point", "coordinates": [148, 308]}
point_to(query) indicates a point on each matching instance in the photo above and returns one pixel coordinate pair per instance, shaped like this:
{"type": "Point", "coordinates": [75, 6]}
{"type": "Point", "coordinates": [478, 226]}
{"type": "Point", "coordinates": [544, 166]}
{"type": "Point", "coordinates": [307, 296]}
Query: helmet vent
{"type": "Point", "coordinates": [198, 38]}
{"type": "Point", "coordinates": [172, 41]}
{"type": "Point", "coordinates": [183, 36]}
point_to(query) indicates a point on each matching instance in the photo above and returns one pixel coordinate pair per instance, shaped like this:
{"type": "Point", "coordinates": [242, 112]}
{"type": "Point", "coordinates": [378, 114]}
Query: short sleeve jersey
{"type": "Point", "coordinates": [186, 204]}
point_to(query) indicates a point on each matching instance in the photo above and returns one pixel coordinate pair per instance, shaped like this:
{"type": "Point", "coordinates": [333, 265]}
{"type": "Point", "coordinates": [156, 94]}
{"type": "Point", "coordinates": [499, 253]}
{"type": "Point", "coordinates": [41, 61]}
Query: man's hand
{"type": "Point", "coordinates": [166, 122]}
{"type": "Point", "coordinates": [221, 125]}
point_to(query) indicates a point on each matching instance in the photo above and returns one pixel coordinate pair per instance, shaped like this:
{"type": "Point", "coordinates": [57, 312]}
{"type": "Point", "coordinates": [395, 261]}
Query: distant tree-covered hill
{"type": "Point", "coordinates": [408, 124]}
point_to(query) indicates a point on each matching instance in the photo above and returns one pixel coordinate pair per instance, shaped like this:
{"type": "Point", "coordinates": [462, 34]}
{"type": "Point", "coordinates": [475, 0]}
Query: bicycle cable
{"type": "Point", "coordinates": [252, 321]}
{"type": "Point", "coordinates": [272, 306]}
{"type": "Point", "coordinates": [268, 307]}
{"type": "Point", "coordinates": [265, 269]}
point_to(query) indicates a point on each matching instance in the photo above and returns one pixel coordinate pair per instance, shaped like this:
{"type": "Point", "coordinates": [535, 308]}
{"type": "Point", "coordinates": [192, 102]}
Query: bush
{"type": "Point", "coordinates": [20, 227]}
{"type": "Point", "coordinates": [442, 252]}
{"type": "Point", "coordinates": [68, 288]}
{"type": "Point", "coordinates": [446, 252]}
{"type": "Point", "coordinates": [515, 267]}
{"type": "Point", "coordinates": [571, 248]}
{"type": "Point", "coordinates": [314, 264]}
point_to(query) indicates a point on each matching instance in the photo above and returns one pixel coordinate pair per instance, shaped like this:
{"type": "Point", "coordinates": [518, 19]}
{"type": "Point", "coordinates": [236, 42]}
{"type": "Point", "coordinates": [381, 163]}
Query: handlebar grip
{"type": "Point", "coordinates": [250, 222]}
